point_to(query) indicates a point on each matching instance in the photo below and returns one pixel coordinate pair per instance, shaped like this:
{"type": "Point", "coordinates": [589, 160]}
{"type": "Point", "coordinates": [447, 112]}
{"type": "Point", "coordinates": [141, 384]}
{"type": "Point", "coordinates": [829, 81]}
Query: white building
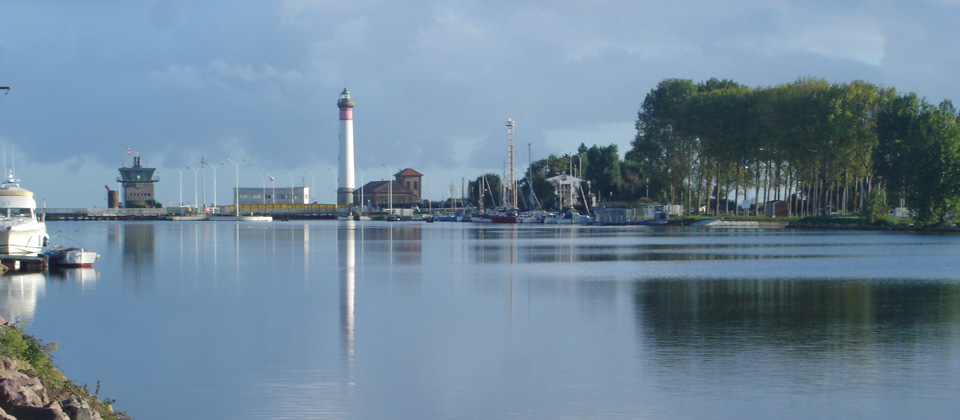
{"type": "Point", "coordinates": [271, 195]}
{"type": "Point", "coordinates": [568, 189]}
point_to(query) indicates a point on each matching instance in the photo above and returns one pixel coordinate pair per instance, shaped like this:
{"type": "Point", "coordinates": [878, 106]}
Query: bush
{"type": "Point", "coordinates": [17, 345]}
{"type": "Point", "coordinates": [876, 209]}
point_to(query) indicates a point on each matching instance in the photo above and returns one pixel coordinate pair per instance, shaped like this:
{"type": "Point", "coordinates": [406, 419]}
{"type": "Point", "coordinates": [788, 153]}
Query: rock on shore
{"type": "Point", "coordinates": [23, 396]}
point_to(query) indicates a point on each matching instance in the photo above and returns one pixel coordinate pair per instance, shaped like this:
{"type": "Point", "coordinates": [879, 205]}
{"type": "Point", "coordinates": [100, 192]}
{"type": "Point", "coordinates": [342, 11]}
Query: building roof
{"type": "Point", "coordinates": [408, 172]}
{"type": "Point", "coordinates": [382, 187]}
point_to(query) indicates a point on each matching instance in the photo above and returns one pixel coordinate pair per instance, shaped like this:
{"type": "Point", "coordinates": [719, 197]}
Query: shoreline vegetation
{"type": "Point", "coordinates": [816, 148]}
{"type": "Point", "coordinates": [31, 387]}
{"type": "Point", "coordinates": [831, 222]}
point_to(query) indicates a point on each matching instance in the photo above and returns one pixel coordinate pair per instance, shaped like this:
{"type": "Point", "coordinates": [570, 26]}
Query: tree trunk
{"type": "Point", "coordinates": [716, 206]}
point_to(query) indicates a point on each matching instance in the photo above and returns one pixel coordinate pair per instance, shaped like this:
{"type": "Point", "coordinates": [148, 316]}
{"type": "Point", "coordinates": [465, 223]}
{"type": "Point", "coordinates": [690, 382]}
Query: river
{"type": "Point", "coordinates": [376, 320]}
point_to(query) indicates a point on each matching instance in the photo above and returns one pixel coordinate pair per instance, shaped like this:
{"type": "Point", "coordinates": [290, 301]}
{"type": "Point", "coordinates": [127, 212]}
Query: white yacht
{"type": "Point", "coordinates": [22, 231]}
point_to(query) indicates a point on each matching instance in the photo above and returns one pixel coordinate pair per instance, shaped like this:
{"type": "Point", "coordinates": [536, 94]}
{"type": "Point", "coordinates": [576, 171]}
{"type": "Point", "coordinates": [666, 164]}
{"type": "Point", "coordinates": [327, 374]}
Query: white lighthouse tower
{"type": "Point", "coordinates": [345, 182]}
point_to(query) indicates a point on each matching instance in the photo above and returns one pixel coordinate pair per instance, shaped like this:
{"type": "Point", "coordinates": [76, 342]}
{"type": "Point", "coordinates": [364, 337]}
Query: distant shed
{"type": "Point", "coordinates": [776, 208]}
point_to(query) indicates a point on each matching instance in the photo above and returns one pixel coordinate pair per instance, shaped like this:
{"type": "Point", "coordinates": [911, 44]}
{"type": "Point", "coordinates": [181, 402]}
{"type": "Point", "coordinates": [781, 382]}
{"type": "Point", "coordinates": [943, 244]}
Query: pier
{"type": "Point", "coordinates": [23, 263]}
{"type": "Point", "coordinates": [277, 211]}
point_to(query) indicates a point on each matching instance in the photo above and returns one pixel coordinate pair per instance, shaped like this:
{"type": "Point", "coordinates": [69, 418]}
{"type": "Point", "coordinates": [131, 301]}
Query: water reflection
{"type": "Point", "coordinates": [401, 244]}
{"type": "Point", "coordinates": [84, 276]}
{"type": "Point", "coordinates": [706, 318]}
{"type": "Point", "coordinates": [19, 293]}
{"type": "Point", "coordinates": [139, 241]}
{"type": "Point", "coordinates": [376, 319]}
{"type": "Point", "coordinates": [346, 253]}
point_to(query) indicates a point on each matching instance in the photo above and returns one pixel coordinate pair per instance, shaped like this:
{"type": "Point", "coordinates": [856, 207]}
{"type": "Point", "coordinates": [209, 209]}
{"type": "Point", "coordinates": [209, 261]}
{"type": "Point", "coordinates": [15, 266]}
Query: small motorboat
{"type": "Point", "coordinates": [71, 257]}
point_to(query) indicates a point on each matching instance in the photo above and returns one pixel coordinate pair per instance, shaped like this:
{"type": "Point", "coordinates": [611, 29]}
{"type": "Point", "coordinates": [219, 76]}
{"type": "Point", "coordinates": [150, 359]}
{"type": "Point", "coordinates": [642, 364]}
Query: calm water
{"type": "Point", "coordinates": [291, 320]}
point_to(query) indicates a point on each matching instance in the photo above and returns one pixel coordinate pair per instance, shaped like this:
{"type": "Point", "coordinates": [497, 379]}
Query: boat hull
{"type": "Point", "coordinates": [72, 257]}
{"type": "Point", "coordinates": [23, 239]}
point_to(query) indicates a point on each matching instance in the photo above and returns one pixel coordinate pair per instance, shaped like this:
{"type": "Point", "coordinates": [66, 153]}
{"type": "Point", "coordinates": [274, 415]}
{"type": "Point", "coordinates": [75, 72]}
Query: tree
{"type": "Point", "coordinates": [660, 147]}
{"type": "Point", "coordinates": [491, 193]}
{"type": "Point", "coordinates": [920, 152]}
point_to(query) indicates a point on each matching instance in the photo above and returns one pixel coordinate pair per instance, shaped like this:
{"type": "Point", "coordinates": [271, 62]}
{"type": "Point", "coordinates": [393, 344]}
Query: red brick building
{"type": "Point", "coordinates": [406, 186]}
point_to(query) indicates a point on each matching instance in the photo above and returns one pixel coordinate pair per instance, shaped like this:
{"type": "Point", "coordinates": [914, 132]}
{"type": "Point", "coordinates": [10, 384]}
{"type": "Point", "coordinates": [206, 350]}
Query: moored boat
{"type": "Point", "coordinates": [501, 216]}
{"type": "Point", "coordinates": [71, 257]}
{"type": "Point", "coordinates": [22, 230]}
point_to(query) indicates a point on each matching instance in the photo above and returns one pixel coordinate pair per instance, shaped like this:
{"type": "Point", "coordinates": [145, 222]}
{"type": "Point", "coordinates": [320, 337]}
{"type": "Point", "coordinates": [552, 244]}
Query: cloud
{"type": "Point", "coordinates": [860, 41]}
{"type": "Point", "coordinates": [433, 81]}
{"type": "Point", "coordinates": [218, 72]}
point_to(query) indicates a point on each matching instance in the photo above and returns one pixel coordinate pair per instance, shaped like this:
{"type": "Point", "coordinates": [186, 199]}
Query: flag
{"type": "Point", "coordinates": [128, 149]}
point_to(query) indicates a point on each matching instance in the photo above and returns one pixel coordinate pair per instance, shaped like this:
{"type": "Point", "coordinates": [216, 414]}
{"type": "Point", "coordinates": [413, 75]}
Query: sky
{"type": "Point", "coordinates": [433, 81]}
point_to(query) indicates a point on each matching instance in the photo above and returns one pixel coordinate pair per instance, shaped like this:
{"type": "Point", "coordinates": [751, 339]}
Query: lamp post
{"type": "Point", "coordinates": [236, 191]}
{"type": "Point", "coordinates": [389, 189]}
{"type": "Point", "coordinates": [313, 186]}
{"type": "Point", "coordinates": [180, 183]}
{"type": "Point", "coordinates": [195, 202]}
{"type": "Point", "coordinates": [215, 167]}
{"type": "Point", "coordinates": [291, 186]}
{"type": "Point", "coordinates": [336, 184]}
{"type": "Point", "coordinates": [203, 183]}
{"type": "Point", "coordinates": [273, 189]}
{"type": "Point", "coordinates": [362, 205]}
{"type": "Point", "coordinates": [263, 189]}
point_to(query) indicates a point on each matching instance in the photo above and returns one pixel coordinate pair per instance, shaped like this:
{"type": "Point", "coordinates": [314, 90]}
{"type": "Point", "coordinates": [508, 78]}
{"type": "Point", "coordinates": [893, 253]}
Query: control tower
{"type": "Point", "coordinates": [137, 183]}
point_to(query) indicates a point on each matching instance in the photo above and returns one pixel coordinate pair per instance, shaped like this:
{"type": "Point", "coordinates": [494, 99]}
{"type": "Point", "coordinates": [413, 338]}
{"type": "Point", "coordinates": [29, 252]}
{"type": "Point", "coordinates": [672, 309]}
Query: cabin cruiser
{"type": "Point", "coordinates": [22, 230]}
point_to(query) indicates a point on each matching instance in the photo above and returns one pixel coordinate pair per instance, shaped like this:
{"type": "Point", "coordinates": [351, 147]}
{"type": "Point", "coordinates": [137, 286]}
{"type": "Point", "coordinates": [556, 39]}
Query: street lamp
{"type": "Point", "coordinates": [263, 189]}
{"type": "Point", "coordinates": [291, 186]}
{"type": "Point", "coordinates": [195, 172]}
{"type": "Point", "coordinates": [389, 189]}
{"type": "Point", "coordinates": [336, 186]}
{"type": "Point", "coordinates": [203, 183]}
{"type": "Point", "coordinates": [313, 186]}
{"type": "Point", "coordinates": [236, 191]}
{"type": "Point", "coordinates": [180, 183]}
{"type": "Point", "coordinates": [273, 188]}
{"type": "Point", "coordinates": [362, 205]}
{"type": "Point", "coordinates": [215, 167]}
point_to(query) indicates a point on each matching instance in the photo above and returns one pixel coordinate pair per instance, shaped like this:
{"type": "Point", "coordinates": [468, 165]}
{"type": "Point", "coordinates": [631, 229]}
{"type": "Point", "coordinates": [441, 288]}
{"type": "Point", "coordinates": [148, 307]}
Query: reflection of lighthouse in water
{"type": "Point", "coordinates": [346, 253]}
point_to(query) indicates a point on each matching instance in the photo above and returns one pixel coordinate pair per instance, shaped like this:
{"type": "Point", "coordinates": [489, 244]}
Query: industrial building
{"type": "Point", "coordinates": [272, 195]}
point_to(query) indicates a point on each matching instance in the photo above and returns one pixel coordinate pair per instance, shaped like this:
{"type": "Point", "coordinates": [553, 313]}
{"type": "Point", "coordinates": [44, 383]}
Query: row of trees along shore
{"type": "Point", "coordinates": [821, 148]}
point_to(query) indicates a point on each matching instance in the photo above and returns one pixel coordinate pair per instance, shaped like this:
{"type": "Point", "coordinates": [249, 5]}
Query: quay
{"type": "Point", "coordinates": [276, 211]}
{"type": "Point", "coordinates": [23, 263]}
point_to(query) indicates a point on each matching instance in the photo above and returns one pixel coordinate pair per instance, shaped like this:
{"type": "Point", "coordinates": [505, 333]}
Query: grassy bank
{"type": "Point", "coordinates": [829, 222]}
{"type": "Point", "coordinates": [34, 359]}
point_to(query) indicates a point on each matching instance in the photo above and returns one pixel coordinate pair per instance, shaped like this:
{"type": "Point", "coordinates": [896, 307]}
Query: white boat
{"type": "Point", "coordinates": [71, 257]}
{"type": "Point", "coordinates": [22, 231]}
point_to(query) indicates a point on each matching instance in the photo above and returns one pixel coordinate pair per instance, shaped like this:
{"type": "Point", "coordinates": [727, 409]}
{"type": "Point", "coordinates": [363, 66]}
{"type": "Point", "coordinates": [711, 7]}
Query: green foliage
{"type": "Point", "coordinates": [603, 170]}
{"type": "Point", "coordinates": [823, 146]}
{"type": "Point", "coordinates": [17, 345]}
{"type": "Point", "coordinates": [876, 209]}
{"type": "Point", "coordinates": [491, 190]}
{"type": "Point", "coordinates": [919, 153]}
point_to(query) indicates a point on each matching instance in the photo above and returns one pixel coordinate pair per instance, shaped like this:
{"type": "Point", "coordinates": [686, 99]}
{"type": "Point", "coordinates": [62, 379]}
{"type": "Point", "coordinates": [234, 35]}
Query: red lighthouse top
{"type": "Point", "coordinates": [346, 105]}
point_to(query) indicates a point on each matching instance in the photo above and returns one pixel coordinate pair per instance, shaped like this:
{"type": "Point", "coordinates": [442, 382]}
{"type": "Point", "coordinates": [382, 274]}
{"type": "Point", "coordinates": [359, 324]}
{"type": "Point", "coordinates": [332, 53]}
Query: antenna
{"type": "Point", "coordinates": [510, 184]}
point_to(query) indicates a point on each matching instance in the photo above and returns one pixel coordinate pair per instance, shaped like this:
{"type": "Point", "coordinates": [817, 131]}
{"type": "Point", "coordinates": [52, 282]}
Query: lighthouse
{"type": "Point", "coordinates": [345, 183]}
